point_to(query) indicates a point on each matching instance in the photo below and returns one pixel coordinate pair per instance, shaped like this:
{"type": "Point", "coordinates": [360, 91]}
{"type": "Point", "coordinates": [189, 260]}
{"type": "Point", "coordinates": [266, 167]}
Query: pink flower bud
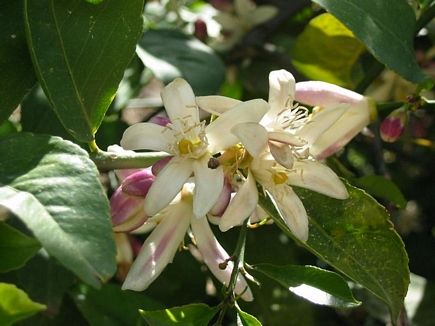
{"type": "Point", "coordinates": [160, 164]}
{"type": "Point", "coordinates": [138, 184]}
{"type": "Point", "coordinates": [394, 125]}
{"type": "Point", "coordinates": [159, 120]}
{"type": "Point", "coordinates": [127, 213]}
{"type": "Point", "coordinates": [222, 5]}
{"type": "Point", "coordinates": [201, 30]}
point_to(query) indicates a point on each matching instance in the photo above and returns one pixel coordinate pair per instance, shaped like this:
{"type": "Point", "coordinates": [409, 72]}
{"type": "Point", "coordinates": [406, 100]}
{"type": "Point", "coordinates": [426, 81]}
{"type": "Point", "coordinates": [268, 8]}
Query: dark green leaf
{"type": "Point", "coordinates": [357, 238]}
{"type": "Point", "coordinates": [80, 51]}
{"type": "Point", "coordinates": [15, 248]}
{"type": "Point", "coordinates": [17, 75]}
{"type": "Point", "coordinates": [381, 187]}
{"type": "Point", "coordinates": [15, 305]}
{"type": "Point", "coordinates": [245, 319]}
{"type": "Point", "coordinates": [312, 283]}
{"type": "Point", "coordinates": [112, 306]}
{"type": "Point", "coordinates": [171, 54]}
{"type": "Point", "coordinates": [385, 27]}
{"type": "Point", "coordinates": [326, 50]}
{"type": "Point", "coordinates": [54, 189]}
{"type": "Point", "coordinates": [190, 315]}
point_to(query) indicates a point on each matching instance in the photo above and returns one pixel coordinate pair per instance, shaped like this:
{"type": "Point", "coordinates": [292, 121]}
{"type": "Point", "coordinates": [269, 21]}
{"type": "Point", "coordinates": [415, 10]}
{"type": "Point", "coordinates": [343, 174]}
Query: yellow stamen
{"type": "Point", "coordinates": [279, 178]}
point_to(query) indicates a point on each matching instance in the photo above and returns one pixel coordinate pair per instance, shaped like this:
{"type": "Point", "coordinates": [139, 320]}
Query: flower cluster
{"type": "Point", "coordinates": [214, 170]}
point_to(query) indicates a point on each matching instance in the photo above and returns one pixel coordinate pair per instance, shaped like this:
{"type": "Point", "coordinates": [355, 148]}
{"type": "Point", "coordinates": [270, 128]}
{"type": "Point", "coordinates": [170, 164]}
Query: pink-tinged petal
{"type": "Point", "coordinates": [126, 212]}
{"type": "Point", "coordinates": [138, 184]}
{"type": "Point", "coordinates": [208, 186]}
{"type": "Point", "coordinates": [216, 104]}
{"type": "Point", "coordinates": [147, 136]}
{"type": "Point", "coordinates": [179, 101]}
{"type": "Point", "coordinates": [213, 254]}
{"type": "Point", "coordinates": [321, 121]}
{"type": "Point", "coordinates": [282, 153]}
{"type": "Point", "coordinates": [160, 120]}
{"type": "Point", "coordinates": [249, 111]}
{"type": "Point", "coordinates": [253, 136]}
{"type": "Point", "coordinates": [160, 164]}
{"type": "Point", "coordinates": [281, 91]}
{"type": "Point", "coordinates": [317, 177]}
{"type": "Point", "coordinates": [291, 209]}
{"type": "Point", "coordinates": [167, 184]}
{"type": "Point", "coordinates": [159, 248]}
{"type": "Point", "coordinates": [222, 202]}
{"type": "Point", "coordinates": [241, 206]}
{"type": "Point", "coordinates": [285, 138]}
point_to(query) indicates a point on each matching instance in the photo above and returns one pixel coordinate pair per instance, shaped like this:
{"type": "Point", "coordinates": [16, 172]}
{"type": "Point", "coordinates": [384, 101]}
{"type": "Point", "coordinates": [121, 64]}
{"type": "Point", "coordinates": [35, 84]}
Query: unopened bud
{"type": "Point", "coordinates": [138, 184]}
{"type": "Point", "coordinates": [127, 213]}
{"type": "Point", "coordinates": [222, 5]}
{"type": "Point", "coordinates": [394, 125]}
{"type": "Point", "coordinates": [159, 120]}
{"type": "Point", "coordinates": [160, 164]}
{"type": "Point", "coordinates": [201, 30]}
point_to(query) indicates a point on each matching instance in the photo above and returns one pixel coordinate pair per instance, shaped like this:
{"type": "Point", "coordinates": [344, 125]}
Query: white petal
{"type": "Point", "coordinates": [213, 254]}
{"type": "Point", "coordinates": [285, 138]}
{"type": "Point", "coordinates": [159, 248]}
{"type": "Point", "coordinates": [262, 14]}
{"type": "Point", "coordinates": [179, 100]}
{"type": "Point", "coordinates": [249, 111]}
{"type": "Point", "coordinates": [208, 186]}
{"type": "Point", "coordinates": [281, 89]}
{"type": "Point", "coordinates": [291, 209]}
{"type": "Point", "coordinates": [147, 136]}
{"type": "Point", "coordinates": [167, 184]}
{"type": "Point", "coordinates": [216, 104]}
{"type": "Point", "coordinates": [241, 206]}
{"type": "Point", "coordinates": [252, 135]}
{"type": "Point", "coordinates": [282, 153]}
{"type": "Point", "coordinates": [319, 178]}
{"type": "Point", "coordinates": [321, 121]}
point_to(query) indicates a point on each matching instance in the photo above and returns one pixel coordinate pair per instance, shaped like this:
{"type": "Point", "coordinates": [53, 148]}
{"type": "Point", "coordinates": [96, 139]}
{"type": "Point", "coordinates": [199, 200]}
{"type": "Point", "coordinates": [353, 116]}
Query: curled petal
{"type": "Point", "coordinates": [213, 254]}
{"type": "Point", "coordinates": [216, 104]}
{"type": "Point", "coordinates": [208, 186]}
{"type": "Point", "coordinates": [285, 138]}
{"type": "Point", "coordinates": [241, 206]}
{"type": "Point", "coordinates": [167, 184]}
{"type": "Point", "coordinates": [147, 136]}
{"type": "Point", "coordinates": [282, 153]}
{"type": "Point", "coordinates": [159, 248]}
{"type": "Point", "coordinates": [179, 100]}
{"type": "Point", "coordinates": [249, 111]}
{"type": "Point", "coordinates": [222, 202]}
{"type": "Point", "coordinates": [252, 135]}
{"type": "Point", "coordinates": [319, 178]}
{"type": "Point", "coordinates": [291, 209]}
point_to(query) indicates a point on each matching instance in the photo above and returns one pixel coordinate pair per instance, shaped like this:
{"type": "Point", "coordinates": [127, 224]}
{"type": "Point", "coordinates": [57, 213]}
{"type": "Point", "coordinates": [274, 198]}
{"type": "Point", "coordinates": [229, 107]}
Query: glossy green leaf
{"type": "Point", "coordinates": [17, 75]}
{"type": "Point", "coordinates": [15, 248]}
{"type": "Point", "coordinates": [356, 237]}
{"type": "Point", "coordinates": [385, 27]}
{"type": "Point", "coordinates": [15, 305]}
{"type": "Point", "coordinates": [380, 187]}
{"type": "Point", "coordinates": [190, 315]}
{"type": "Point", "coordinates": [245, 319]}
{"type": "Point", "coordinates": [80, 51]}
{"type": "Point", "coordinates": [53, 187]}
{"type": "Point", "coordinates": [312, 283]}
{"type": "Point", "coordinates": [112, 306]}
{"type": "Point", "coordinates": [170, 54]}
{"type": "Point", "coordinates": [326, 50]}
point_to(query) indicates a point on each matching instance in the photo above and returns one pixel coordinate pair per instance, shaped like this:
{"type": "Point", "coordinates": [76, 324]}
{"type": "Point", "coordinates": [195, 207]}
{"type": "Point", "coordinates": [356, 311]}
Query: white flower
{"type": "Point", "coordinates": [191, 143]}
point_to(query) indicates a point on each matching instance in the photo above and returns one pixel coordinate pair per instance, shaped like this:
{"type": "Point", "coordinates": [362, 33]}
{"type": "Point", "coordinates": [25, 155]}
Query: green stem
{"type": "Point", "coordinates": [425, 18]}
{"type": "Point", "coordinates": [116, 161]}
{"type": "Point", "coordinates": [239, 257]}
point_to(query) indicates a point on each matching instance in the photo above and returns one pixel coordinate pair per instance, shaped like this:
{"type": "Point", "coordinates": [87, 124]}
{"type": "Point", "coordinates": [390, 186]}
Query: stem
{"type": "Point", "coordinates": [425, 18]}
{"type": "Point", "coordinates": [115, 161]}
{"type": "Point", "coordinates": [239, 256]}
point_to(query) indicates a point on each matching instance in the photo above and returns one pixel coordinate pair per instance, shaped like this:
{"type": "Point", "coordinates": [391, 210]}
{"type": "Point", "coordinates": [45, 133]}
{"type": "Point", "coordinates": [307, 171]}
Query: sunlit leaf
{"type": "Point", "coordinates": [356, 237]}
{"type": "Point", "coordinates": [15, 248]}
{"type": "Point", "coordinates": [190, 315]}
{"type": "Point", "coordinates": [80, 51]}
{"type": "Point", "coordinates": [312, 283]}
{"type": "Point", "coordinates": [385, 27]}
{"type": "Point", "coordinates": [245, 319]}
{"type": "Point", "coordinates": [15, 305]}
{"type": "Point", "coordinates": [54, 189]}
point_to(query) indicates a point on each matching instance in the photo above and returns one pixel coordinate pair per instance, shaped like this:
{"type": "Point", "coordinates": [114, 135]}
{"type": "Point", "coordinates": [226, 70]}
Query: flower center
{"type": "Point", "coordinates": [279, 178]}
{"type": "Point", "coordinates": [186, 146]}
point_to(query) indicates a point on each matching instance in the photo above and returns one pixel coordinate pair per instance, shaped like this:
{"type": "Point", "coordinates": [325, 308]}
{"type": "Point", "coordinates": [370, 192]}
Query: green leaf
{"type": "Point", "coordinates": [17, 75]}
{"type": "Point", "coordinates": [385, 27]}
{"type": "Point", "coordinates": [112, 306]}
{"type": "Point", "coordinates": [53, 187]}
{"type": "Point", "coordinates": [245, 319]}
{"type": "Point", "coordinates": [326, 50]}
{"type": "Point", "coordinates": [356, 237]}
{"type": "Point", "coordinates": [312, 283]}
{"type": "Point", "coordinates": [15, 248]}
{"type": "Point", "coordinates": [381, 187]}
{"type": "Point", "coordinates": [15, 305]}
{"type": "Point", "coordinates": [170, 54]}
{"type": "Point", "coordinates": [80, 51]}
{"type": "Point", "coordinates": [190, 315]}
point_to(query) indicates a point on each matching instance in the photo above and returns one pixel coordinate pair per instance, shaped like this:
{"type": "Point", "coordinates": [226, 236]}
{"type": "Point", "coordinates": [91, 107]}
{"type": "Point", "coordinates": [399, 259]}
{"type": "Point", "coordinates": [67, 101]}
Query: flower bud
{"type": "Point", "coordinates": [160, 164]}
{"type": "Point", "coordinates": [127, 213]}
{"type": "Point", "coordinates": [394, 125]}
{"type": "Point", "coordinates": [138, 184]}
{"type": "Point", "coordinates": [201, 30]}
{"type": "Point", "coordinates": [159, 120]}
{"type": "Point", "coordinates": [224, 199]}
{"type": "Point", "coordinates": [222, 5]}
